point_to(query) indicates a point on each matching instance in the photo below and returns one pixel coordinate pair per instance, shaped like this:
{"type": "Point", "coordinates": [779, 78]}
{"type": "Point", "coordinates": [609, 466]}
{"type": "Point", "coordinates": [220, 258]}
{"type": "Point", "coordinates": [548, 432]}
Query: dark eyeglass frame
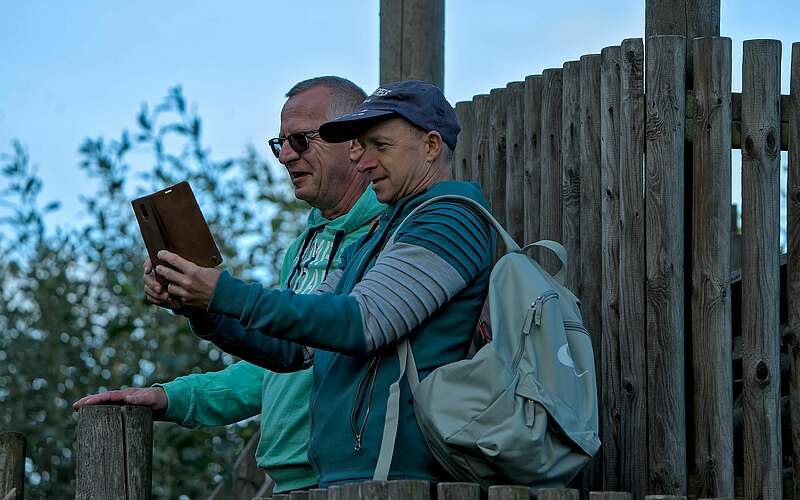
{"type": "Point", "coordinates": [299, 141]}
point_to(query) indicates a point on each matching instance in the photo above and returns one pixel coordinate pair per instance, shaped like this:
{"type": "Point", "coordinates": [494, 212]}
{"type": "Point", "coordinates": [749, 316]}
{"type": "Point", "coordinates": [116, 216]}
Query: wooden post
{"type": "Point", "coordinates": [412, 41]}
{"type": "Point", "coordinates": [610, 386]}
{"type": "Point", "coordinates": [509, 493]}
{"type": "Point", "coordinates": [12, 465]}
{"type": "Point", "coordinates": [497, 153]}
{"type": "Point", "coordinates": [409, 490]}
{"type": "Point", "coordinates": [632, 333]}
{"type": "Point", "coordinates": [480, 144]}
{"type": "Point", "coordinates": [711, 270]}
{"type": "Point", "coordinates": [343, 492]}
{"type": "Point", "coordinates": [297, 495]}
{"type": "Point", "coordinates": [666, 97]}
{"type": "Point", "coordinates": [793, 262]}
{"type": "Point", "coordinates": [610, 495]}
{"type": "Point", "coordinates": [558, 494]}
{"type": "Point", "coordinates": [515, 161]}
{"type": "Point", "coordinates": [458, 491]}
{"type": "Point", "coordinates": [318, 494]}
{"type": "Point", "coordinates": [247, 475]}
{"type": "Point", "coordinates": [760, 280]}
{"type": "Point", "coordinates": [690, 18]}
{"type": "Point", "coordinates": [550, 208]}
{"type": "Point", "coordinates": [462, 156]}
{"type": "Point", "coordinates": [532, 155]}
{"type": "Point", "coordinates": [278, 496]}
{"type": "Point", "coordinates": [591, 262]}
{"type": "Point", "coordinates": [373, 490]}
{"type": "Point", "coordinates": [571, 172]}
{"type": "Point", "coordinates": [114, 448]}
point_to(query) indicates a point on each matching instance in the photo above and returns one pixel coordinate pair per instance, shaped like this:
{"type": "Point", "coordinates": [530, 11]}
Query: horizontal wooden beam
{"type": "Point", "coordinates": [736, 112]}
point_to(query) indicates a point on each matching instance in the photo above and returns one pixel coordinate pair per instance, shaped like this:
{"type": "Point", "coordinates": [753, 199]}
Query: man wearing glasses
{"type": "Point", "coordinates": [343, 208]}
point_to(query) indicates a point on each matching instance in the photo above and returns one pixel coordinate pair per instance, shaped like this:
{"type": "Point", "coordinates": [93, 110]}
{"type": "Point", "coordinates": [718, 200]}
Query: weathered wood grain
{"type": "Point", "coordinates": [458, 491]}
{"type": "Point", "coordinates": [793, 262]}
{"type": "Point", "coordinates": [610, 386]}
{"type": "Point", "coordinates": [610, 495]}
{"type": "Point", "coordinates": [532, 155]}
{"type": "Point", "coordinates": [550, 209]}
{"type": "Point", "coordinates": [318, 494]}
{"type": "Point", "coordinates": [760, 279]}
{"type": "Point", "coordinates": [248, 477]}
{"type": "Point", "coordinates": [114, 452]}
{"type": "Point", "coordinates": [691, 19]}
{"type": "Point", "coordinates": [711, 270]}
{"type": "Point", "coordinates": [501, 492]}
{"type": "Point", "coordinates": [571, 172]}
{"type": "Point", "coordinates": [373, 490]}
{"type": "Point", "coordinates": [462, 156]}
{"type": "Point", "coordinates": [632, 339]}
{"type": "Point", "coordinates": [412, 41]}
{"type": "Point", "coordinates": [481, 172]}
{"type": "Point", "coordinates": [664, 176]}
{"type": "Point", "coordinates": [299, 495]}
{"type": "Point", "coordinates": [515, 161]}
{"type": "Point", "coordinates": [558, 494]}
{"type": "Point", "coordinates": [497, 153]}
{"type": "Point", "coordinates": [12, 465]}
{"type": "Point", "coordinates": [590, 228]}
{"type": "Point", "coordinates": [409, 490]}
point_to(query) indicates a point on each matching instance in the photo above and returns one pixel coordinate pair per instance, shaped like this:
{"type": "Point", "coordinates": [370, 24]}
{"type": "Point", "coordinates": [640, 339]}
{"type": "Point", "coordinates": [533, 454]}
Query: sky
{"type": "Point", "coordinates": [71, 70]}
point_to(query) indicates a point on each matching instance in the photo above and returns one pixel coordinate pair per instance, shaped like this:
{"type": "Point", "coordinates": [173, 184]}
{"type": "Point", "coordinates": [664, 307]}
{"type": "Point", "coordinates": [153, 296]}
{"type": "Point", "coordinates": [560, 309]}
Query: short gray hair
{"type": "Point", "coordinates": [345, 95]}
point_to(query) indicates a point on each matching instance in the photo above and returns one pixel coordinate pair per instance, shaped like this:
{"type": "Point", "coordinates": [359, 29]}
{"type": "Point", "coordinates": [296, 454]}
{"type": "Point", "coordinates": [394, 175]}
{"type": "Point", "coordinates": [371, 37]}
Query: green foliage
{"type": "Point", "coordinates": [73, 318]}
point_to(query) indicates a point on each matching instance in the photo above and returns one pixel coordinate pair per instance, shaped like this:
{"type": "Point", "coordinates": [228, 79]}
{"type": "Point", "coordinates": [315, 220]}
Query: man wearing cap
{"type": "Point", "coordinates": [427, 284]}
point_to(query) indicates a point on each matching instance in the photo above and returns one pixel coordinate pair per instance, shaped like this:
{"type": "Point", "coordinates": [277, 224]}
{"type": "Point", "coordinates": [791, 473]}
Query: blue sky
{"type": "Point", "coordinates": [71, 70]}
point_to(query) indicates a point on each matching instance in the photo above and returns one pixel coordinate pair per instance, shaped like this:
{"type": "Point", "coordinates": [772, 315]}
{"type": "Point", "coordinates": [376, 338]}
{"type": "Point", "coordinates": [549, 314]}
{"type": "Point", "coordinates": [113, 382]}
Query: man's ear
{"type": "Point", "coordinates": [435, 144]}
{"type": "Point", "coordinates": [356, 150]}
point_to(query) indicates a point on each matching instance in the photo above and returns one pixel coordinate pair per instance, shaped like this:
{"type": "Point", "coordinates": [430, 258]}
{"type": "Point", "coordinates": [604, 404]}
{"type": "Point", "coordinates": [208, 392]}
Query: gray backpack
{"type": "Point", "coordinates": [523, 410]}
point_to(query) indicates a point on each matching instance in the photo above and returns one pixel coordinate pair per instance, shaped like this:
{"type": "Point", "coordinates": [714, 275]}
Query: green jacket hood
{"type": "Point", "coordinates": [366, 208]}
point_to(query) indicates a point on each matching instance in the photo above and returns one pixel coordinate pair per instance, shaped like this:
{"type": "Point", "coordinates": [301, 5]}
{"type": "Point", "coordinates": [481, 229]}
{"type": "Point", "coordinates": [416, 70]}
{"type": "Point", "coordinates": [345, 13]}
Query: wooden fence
{"type": "Point", "coordinates": [614, 156]}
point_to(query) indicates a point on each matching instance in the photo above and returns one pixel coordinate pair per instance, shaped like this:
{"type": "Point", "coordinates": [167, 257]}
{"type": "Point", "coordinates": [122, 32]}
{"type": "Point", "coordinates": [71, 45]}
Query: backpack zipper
{"type": "Point", "coordinates": [534, 315]}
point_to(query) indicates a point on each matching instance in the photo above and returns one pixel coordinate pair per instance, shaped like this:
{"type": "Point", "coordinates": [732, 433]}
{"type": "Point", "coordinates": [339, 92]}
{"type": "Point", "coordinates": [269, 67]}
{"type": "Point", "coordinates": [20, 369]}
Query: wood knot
{"type": "Point", "coordinates": [628, 388]}
{"type": "Point", "coordinates": [762, 373]}
{"type": "Point", "coordinates": [748, 144]}
{"type": "Point", "coordinates": [772, 146]}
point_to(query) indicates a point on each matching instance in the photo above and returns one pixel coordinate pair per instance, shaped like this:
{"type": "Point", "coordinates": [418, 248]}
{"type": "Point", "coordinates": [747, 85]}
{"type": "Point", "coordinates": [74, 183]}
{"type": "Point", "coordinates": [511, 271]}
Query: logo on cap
{"type": "Point", "coordinates": [382, 92]}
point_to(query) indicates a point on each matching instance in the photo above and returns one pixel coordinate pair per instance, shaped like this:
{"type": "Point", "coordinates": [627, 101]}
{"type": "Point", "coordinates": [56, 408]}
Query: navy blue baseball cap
{"type": "Point", "coordinates": [420, 103]}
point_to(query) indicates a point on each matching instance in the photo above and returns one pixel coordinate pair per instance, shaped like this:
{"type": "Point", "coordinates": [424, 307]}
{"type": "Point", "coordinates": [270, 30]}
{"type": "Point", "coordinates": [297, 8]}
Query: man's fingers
{"type": "Point", "coordinates": [175, 290]}
{"type": "Point", "coordinates": [175, 261]}
{"type": "Point", "coordinates": [148, 266]}
{"type": "Point", "coordinates": [96, 399]}
{"type": "Point", "coordinates": [152, 283]}
{"type": "Point", "coordinates": [172, 275]}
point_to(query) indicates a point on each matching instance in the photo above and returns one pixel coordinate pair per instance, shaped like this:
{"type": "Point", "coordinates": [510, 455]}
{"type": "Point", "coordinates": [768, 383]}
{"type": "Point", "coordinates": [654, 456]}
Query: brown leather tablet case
{"type": "Point", "coordinates": [171, 219]}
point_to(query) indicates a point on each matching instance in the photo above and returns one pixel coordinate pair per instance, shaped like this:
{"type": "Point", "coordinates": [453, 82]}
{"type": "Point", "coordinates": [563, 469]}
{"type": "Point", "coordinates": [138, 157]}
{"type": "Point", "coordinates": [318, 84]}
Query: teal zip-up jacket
{"type": "Point", "coordinates": [244, 390]}
{"type": "Point", "coordinates": [429, 285]}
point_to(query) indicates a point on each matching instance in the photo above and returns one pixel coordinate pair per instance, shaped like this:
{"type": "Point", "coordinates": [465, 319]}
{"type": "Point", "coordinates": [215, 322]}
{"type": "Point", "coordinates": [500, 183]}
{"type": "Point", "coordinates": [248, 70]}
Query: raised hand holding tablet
{"type": "Point", "coordinates": [189, 284]}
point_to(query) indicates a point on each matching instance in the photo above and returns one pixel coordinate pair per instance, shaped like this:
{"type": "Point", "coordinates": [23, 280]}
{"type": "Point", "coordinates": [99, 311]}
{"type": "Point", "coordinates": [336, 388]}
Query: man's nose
{"type": "Point", "coordinates": [366, 163]}
{"type": "Point", "coordinates": [287, 154]}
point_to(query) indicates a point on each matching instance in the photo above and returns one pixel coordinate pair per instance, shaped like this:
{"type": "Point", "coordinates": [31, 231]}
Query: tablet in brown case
{"type": "Point", "coordinates": [171, 219]}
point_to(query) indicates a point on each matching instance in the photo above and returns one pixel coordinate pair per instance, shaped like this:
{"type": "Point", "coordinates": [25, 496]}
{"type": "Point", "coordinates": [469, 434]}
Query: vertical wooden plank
{"type": "Point", "coordinates": [501, 492]}
{"type": "Point", "coordinates": [280, 496]}
{"type": "Point", "coordinates": [373, 490]}
{"type": "Point", "coordinates": [462, 156]}
{"type": "Point", "coordinates": [114, 452]}
{"type": "Point", "coordinates": [248, 478]}
{"type": "Point", "coordinates": [12, 465]}
{"type": "Point", "coordinates": [343, 492]}
{"type": "Point", "coordinates": [632, 333]}
{"type": "Point", "coordinates": [558, 494]}
{"type": "Point", "coordinates": [480, 144]}
{"type": "Point", "coordinates": [298, 495]}
{"type": "Point", "coordinates": [760, 281]}
{"type": "Point", "coordinates": [664, 236]}
{"type": "Point", "coordinates": [711, 270]}
{"type": "Point", "coordinates": [571, 172]}
{"type": "Point", "coordinates": [532, 155]}
{"type": "Point", "coordinates": [610, 495]}
{"type": "Point", "coordinates": [458, 491]}
{"type": "Point", "coordinates": [550, 209]}
{"type": "Point", "coordinates": [591, 272]}
{"type": "Point", "coordinates": [497, 153]}
{"type": "Point", "coordinates": [318, 494]}
{"type": "Point", "coordinates": [609, 184]}
{"type": "Point", "coordinates": [515, 160]}
{"type": "Point", "coordinates": [690, 18]}
{"type": "Point", "coordinates": [409, 490]}
{"type": "Point", "coordinates": [412, 41]}
{"type": "Point", "coordinates": [793, 262]}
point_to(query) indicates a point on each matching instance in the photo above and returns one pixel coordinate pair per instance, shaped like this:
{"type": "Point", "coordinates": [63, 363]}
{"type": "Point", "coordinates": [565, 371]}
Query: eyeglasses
{"type": "Point", "coordinates": [298, 141]}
